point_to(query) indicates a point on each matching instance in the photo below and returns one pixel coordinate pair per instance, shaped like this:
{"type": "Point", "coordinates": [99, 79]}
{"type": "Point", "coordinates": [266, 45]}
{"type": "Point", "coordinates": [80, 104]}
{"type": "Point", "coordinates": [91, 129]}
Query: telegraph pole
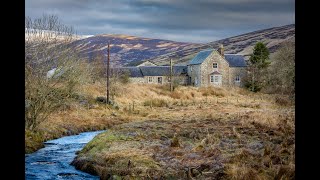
{"type": "Point", "coordinates": [171, 80]}
{"type": "Point", "coordinates": [108, 72]}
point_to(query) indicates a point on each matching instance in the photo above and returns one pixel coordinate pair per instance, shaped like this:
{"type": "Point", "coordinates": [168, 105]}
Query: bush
{"type": "Point", "coordinates": [254, 87]}
{"type": "Point", "coordinates": [156, 103]}
{"type": "Point", "coordinates": [124, 78]}
{"type": "Point", "coordinates": [101, 99]}
{"type": "Point", "coordinates": [212, 91]}
{"type": "Point", "coordinates": [282, 101]}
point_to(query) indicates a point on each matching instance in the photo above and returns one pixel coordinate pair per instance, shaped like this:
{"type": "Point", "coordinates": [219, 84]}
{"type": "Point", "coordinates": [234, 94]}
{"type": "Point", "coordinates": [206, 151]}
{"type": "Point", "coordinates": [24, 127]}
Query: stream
{"type": "Point", "coordinates": [53, 161]}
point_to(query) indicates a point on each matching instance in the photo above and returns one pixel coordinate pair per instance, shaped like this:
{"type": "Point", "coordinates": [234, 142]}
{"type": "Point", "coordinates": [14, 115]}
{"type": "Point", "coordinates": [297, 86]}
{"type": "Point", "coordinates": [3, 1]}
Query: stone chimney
{"type": "Point", "coordinates": [221, 50]}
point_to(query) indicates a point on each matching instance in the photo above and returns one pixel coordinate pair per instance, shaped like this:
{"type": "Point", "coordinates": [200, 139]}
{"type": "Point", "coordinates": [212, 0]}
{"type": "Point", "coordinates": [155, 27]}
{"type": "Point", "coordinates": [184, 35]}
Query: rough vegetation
{"type": "Point", "coordinates": [200, 133]}
{"type": "Point", "coordinates": [191, 133]}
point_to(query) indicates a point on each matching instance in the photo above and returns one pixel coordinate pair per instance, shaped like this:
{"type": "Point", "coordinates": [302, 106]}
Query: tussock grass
{"type": "Point", "coordinates": [225, 133]}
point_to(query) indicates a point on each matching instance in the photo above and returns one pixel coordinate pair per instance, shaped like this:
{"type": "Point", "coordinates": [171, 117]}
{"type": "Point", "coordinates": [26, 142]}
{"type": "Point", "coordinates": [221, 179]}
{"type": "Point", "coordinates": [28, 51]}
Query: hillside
{"type": "Point", "coordinates": [127, 49]}
{"type": "Point", "coordinates": [241, 44]}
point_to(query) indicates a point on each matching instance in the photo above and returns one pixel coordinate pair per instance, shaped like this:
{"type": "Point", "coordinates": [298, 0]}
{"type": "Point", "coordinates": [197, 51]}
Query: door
{"type": "Point", "coordinates": [160, 80]}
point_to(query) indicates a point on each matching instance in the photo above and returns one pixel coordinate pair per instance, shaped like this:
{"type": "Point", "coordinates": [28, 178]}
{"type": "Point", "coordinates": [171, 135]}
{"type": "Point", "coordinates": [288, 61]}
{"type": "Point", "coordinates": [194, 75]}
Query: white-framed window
{"type": "Point", "coordinates": [216, 79]}
{"type": "Point", "coordinates": [237, 79]}
{"type": "Point", "coordinates": [215, 65]}
{"type": "Point", "coordinates": [160, 80]}
{"type": "Point", "coordinates": [149, 79]}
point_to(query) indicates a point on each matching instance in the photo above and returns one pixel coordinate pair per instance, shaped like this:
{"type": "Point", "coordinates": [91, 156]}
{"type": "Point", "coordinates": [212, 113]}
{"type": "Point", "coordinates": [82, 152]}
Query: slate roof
{"type": "Point", "coordinates": [133, 71]}
{"type": "Point", "coordinates": [235, 60]}
{"type": "Point", "coordinates": [162, 70]}
{"type": "Point", "coordinates": [150, 70]}
{"type": "Point", "coordinates": [201, 56]}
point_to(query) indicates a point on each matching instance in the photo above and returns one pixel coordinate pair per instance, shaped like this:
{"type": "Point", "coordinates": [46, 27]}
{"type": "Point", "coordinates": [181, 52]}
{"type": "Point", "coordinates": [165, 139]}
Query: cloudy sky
{"type": "Point", "coordinates": [179, 20]}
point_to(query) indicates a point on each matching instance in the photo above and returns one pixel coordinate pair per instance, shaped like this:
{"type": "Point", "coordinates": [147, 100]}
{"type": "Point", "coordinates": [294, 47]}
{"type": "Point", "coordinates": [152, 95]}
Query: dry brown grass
{"type": "Point", "coordinates": [211, 124]}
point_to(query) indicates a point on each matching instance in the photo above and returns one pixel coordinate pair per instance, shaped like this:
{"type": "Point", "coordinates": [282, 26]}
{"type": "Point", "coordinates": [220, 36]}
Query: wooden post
{"type": "Point", "coordinates": [108, 72]}
{"type": "Point", "coordinates": [133, 106]}
{"type": "Point", "coordinates": [171, 80]}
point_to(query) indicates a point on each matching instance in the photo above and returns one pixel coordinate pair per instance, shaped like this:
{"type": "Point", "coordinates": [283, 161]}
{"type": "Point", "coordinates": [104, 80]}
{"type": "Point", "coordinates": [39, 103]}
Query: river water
{"type": "Point", "coordinates": [53, 161]}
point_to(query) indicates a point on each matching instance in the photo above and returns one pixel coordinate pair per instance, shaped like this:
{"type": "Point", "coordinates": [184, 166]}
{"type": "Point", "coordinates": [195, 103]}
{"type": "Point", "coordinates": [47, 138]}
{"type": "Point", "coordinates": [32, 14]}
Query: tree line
{"type": "Point", "coordinates": [272, 74]}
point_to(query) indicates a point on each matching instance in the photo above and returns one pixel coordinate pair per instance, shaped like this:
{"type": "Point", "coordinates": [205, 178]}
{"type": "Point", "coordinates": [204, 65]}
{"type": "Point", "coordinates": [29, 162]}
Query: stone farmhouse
{"type": "Point", "coordinates": [208, 68]}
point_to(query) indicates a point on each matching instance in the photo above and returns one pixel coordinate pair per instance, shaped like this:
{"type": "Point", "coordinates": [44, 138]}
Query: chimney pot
{"type": "Point", "coordinates": [221, 50]}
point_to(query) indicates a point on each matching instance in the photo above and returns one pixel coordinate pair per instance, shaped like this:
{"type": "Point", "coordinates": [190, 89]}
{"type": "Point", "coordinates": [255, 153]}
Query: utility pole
{"type": "Point", "coordinates": [171, 80]}
{"type": "Point", "coordinates": [108, 72]}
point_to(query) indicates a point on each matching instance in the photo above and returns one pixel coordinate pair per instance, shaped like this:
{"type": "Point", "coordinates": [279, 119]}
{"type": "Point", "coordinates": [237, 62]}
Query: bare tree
{"type": "Point", "coordinates": [281, 74]}
{"type": "Point", "coordinates": [53, 70]}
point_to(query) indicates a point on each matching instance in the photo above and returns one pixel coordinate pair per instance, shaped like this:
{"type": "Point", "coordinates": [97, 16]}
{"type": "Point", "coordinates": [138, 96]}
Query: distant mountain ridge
{"type": "Point", "coordinates": [128, 50]}
{"type": "Point", "coordinates": [241, 44]}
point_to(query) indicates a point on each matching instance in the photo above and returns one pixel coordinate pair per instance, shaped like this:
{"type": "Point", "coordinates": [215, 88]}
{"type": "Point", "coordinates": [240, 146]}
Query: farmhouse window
{"type": "Point", "coordinates": [160, 80]}
{"type": "Point", "coordinates": [216, 78]}
{"type": "Point", "coordinates": [211, 78]}
{"type": "Point", "coordinates": [215, 65]}
{"type": "Point", "coordinates": [237, 78]}
{"type": "Point", "coordinates": [150, 79]}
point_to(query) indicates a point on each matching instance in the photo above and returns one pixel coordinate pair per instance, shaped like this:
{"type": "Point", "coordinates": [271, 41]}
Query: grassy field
{"type": "Point", "coordinates": [191, 133]}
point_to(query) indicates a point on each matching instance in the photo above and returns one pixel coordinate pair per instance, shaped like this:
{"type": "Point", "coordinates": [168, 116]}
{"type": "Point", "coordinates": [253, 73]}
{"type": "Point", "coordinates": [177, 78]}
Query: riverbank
{"type": "Point", "coordinates": [53, 161]}
{"type": "Point", "coordinates": [82, 115]}
{"type": "Point", "coordinates": [195, 133]}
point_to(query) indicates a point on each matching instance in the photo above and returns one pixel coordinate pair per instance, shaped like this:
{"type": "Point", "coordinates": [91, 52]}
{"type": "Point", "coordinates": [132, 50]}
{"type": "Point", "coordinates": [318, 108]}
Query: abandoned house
{"type": "Point", "coordinates": [208, 68]}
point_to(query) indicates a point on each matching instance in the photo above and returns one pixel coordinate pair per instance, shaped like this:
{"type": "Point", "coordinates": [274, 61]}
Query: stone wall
{"type": "Point", "coordinates": [234, 71]}
{"type": "Point", "coordinates": [195, 73]}
{"type": "Point", "coordinates": [207, 69]}
{"type": "Point", "coordinates": [181, 80]}
{"type": "Point", "coordinates": [154, 79]}
{"type": "Point", "coordinates": [136, 79]}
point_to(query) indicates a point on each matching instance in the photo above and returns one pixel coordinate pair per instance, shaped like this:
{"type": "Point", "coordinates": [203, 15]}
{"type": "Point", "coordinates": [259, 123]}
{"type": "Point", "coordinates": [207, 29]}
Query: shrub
{"type": "Point", "coordinates": [282, 101]}
{"type": "Point", "coordinates": [156, 103]}
{"type": "Point", "coordinates": [101, 99]}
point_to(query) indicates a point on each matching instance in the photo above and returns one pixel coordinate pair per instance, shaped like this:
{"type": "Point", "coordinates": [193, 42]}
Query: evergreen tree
{"type": "Point", "coordinates": [258, 62]}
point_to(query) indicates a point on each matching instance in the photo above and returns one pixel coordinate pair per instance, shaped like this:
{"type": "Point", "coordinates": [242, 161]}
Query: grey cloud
{"type": "Point", "coordinates": [166, 18]}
